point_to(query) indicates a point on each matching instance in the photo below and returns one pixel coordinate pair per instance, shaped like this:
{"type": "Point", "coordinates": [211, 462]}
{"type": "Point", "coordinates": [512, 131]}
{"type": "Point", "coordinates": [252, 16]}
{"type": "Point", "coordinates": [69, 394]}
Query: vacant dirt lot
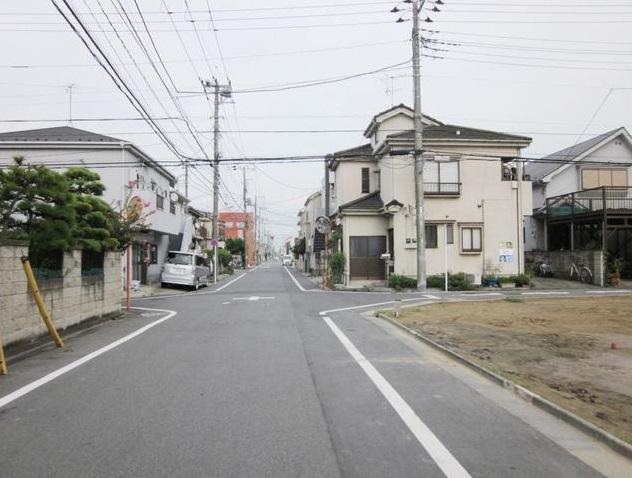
{"type": "Point", "coordinates": [575, 352]}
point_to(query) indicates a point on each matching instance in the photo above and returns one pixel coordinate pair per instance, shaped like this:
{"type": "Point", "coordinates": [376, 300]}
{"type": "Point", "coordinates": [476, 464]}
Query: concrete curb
{"type": "Point", "coordinates": [585, 426]}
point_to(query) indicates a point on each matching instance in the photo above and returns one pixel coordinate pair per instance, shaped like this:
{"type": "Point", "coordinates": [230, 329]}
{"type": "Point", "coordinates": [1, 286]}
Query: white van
{"type": "Point", "coordinates": [288, 260]}
{"type": "Point", "coordinates": [186, 268]}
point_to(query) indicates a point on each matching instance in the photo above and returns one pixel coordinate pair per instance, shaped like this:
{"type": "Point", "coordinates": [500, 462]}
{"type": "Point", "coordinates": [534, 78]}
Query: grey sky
{"type": "Point", "coordinates": [478, 83]}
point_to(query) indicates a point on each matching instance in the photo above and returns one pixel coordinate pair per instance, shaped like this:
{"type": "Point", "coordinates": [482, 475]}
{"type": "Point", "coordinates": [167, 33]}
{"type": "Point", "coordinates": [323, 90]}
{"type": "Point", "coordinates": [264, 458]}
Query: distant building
{"type": "Point", "coordinates": [233, 226]}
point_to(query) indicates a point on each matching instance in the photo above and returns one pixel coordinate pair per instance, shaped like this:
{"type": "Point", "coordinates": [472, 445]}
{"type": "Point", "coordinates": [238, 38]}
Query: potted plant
{"type": "Point", "coordinates": [614, 279]}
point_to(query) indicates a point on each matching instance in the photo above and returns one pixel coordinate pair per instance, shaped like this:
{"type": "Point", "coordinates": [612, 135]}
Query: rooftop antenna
{"type": "Point", "coordinates": [69, 90]}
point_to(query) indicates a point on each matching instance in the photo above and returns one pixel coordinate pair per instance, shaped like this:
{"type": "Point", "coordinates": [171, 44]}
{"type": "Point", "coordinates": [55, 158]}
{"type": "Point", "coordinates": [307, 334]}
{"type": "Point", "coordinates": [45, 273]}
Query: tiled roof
{"type": "Point", "coordinates": [558, 159]}
{"type": "Point", "coordinates": [449, 131]}
{"type": "Point", "coordinates": [66, 134]}
{"type": "Point", "coordinates": [363, 150]}
{"type": "Point", "coordinates": [371, 201]}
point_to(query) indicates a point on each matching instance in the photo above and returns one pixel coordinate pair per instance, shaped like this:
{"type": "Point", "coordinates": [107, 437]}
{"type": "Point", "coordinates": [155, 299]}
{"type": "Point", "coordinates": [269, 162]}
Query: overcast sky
{"type": "Point", "coordinates": [538, 68]}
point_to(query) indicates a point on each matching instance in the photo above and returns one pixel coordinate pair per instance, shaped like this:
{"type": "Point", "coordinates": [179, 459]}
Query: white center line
{"type": "Point", "coordinates": [608, 291]}
{"type": "Point", "coordinates": [437, 451]}
{"type": "Point", "coordinates": [20, 392]}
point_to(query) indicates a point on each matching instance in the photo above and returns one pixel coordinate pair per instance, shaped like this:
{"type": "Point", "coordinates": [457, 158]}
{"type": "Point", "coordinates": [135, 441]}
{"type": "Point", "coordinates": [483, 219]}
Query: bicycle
{"type": "Point", "coordinates": [581, 272]}
{"type": "Point", "coordinates": [542, 269]}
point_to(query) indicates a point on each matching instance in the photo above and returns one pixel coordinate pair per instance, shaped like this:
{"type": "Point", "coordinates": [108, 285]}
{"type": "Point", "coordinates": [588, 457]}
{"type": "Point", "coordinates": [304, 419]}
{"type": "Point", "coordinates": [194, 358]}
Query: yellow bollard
{"type": "Point", "coordinates": [40, 302]}
{"type": "Point", "coordinates": [3, 363]}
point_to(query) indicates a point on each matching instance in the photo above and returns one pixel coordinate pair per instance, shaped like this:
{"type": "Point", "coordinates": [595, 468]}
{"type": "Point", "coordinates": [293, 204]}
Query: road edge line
{"type": "Point", "coordinates": [300, 287]}
{"type": "Point", "coordinates": [438, 452]}
{"type": "Point", "coordinates": [539, 401]}
{"type": "Point", "coordinates": [34, 385]}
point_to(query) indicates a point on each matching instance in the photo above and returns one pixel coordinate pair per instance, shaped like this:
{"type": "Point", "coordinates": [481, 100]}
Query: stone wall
{"type": "Point", "coordinates": [69, 299]}
{"type": "Point", "coordinates": [560, 261]}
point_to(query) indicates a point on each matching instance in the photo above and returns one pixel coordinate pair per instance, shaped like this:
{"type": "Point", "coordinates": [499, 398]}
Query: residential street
{"type": "Point", "coordinates": [250, 379]}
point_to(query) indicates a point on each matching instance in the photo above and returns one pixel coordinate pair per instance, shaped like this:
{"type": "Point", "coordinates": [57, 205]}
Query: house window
{"type": "Point", "coordinates": [597, 177]}
{"type": "Point", "coordinates": [153, 253]}
{"type": "Point", "coordinates": [365, 180]}
{"type": "Point", "coordinates": [431, 236]}
{"type": "Point", "coordinates": [172, 207]}
{"type": "Point", "coordinates": [449, 234]}
{"type": "Point", "coordinates": [441, 178]}
{"type": "Point", "coordinates": [160, 202]}
{"type": "Point", "coordinates": [471, 239]}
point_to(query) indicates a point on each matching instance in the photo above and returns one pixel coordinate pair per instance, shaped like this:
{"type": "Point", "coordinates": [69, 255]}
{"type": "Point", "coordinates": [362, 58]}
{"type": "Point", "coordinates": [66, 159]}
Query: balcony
{"type": "Point", "coordinates": [442, 189]}
{"type": "Point", "coordinates": [599, 201]}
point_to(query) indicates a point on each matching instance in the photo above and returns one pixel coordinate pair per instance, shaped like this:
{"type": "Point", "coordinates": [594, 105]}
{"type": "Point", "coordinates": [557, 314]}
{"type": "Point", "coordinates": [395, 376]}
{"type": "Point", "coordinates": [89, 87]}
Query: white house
{"type": "Point", "coordinates": [475, 199]}
{"type": "Point", "coordinates": [582, 198]}
{"type": "Point", "coordinates": [139, 180]}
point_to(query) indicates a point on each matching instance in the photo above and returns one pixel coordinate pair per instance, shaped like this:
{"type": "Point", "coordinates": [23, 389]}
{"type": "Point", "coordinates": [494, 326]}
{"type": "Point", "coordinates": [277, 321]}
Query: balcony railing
{"type": "Point", "coordinates": [608, 199]}
{"type": "Point", "coordinates": [442, 189]}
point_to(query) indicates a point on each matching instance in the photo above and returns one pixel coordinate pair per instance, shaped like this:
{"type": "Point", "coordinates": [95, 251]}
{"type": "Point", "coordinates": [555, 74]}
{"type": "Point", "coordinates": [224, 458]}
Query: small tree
{"type": "Point", "coordinates": [96, 225]}
{"type": "Point", "coordinates": [36, 205]}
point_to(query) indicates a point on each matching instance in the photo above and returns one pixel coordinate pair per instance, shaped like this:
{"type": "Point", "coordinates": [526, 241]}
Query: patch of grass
{"type": "Point", "coordinates": [515, 300]}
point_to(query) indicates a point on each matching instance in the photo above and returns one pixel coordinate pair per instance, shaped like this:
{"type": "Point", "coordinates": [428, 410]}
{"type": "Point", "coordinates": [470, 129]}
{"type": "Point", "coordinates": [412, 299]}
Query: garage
{"type": "Point", "coordinates": [364, 258]}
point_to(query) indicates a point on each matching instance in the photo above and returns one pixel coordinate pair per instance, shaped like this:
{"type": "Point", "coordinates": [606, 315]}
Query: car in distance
{"type": "Point", "coordinates": [190, 269]}
{"type": "Point", "coordinates": [288, 260]}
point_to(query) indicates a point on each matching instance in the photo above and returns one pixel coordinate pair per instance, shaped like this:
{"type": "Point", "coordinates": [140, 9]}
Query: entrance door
{"type": "Point", "coordinates": [364, 258]}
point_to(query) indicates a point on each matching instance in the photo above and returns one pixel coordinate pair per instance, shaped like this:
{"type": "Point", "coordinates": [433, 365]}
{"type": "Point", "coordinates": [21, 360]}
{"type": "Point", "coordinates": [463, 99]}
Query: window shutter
{"type": "Point", "coordinates": [450, 172]}
{"type": "Point", "coordinates": [590, 178]}
{"type": "Point", "coordinates": [619, 178]}
{"type": "Point", "coordinates": [431, 172]}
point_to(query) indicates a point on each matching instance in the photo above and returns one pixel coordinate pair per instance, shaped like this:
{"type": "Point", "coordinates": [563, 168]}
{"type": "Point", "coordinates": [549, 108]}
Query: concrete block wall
{"type": "Point", "coordinates": [70, 299]}
{"type": "Point", "coordinates": [560, 261]}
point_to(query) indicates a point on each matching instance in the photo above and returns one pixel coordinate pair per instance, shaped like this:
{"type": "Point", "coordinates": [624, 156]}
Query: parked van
{"type": "Point", "coordinates": [288, 260]}
{"type": "Point", "coordinates": [186, 268]}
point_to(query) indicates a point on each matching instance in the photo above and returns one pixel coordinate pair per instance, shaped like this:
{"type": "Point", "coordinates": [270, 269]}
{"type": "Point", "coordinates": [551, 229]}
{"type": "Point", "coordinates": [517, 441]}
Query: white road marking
{"type": "Point", "coordinates": [20, 392]}
{"type": "Point", "coordinates": [342, 309]}
{"type": "Point", "coordinates": [545, 293]}
{"type": "Point", "coordinates": [613, 291]}
{"type": "Point", "coordinates": [428, 440]}
{"type": "Point", "coordinates": [227, 284]}
{"type": "Point", "coordinates": [167, 296]}
{"type": "Point", "coordinates": [253, 298]}
{"type": "Point", "coordinates": [300, 287]}
{"type": "Point", "coordinates": [482, 294]}
{"type": "Point", "coordinates": [428, 296]}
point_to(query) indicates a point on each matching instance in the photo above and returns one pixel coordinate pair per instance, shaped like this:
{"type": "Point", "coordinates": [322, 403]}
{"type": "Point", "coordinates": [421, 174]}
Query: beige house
{"type": "Point", "coordinates": [475, 199]}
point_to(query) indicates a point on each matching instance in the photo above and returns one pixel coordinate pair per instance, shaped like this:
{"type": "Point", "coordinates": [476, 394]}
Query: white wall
{"type": "Point", "coordinates": [348, 182]}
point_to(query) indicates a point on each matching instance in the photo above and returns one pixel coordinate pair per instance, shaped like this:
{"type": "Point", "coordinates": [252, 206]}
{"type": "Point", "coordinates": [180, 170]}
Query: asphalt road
{"type": "Point", "coordinates": [252, 380]}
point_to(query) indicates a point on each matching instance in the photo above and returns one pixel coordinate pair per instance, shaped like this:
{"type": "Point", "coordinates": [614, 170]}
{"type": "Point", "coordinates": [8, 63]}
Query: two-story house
{"type": "Point", "coordinates": [130, 178]}
{"type": "Point", "coordinates": [314, 241]}
{"type": "Point", "coordinates": [475, 199]}
{"type": "Point", "coordinates": [582, 198]}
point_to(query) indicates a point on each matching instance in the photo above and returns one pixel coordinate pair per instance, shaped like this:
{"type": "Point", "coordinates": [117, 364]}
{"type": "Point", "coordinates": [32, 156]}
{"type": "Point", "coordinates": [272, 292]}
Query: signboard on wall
{"type": "Point", "coordinates": [505, 252]}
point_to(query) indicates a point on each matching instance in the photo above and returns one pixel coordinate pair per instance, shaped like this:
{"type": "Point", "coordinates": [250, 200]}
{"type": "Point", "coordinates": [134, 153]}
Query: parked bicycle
{"type": "Point", "coordinates": [542, 269]}
{"type": "Point", "coordinates": [580, 272]}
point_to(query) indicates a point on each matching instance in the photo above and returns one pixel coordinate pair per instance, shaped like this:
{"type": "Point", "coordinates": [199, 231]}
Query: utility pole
{"type": "Point", "coordinates": [215, 175]}
{"type": "Point", "coordinates": [219, 92]}
{"type": "Point", "coordinates": [418, 153]}
{"type": "Point", "coordinates": [257, 235]}
{"type": "Point", "coordinates": [245, 221]}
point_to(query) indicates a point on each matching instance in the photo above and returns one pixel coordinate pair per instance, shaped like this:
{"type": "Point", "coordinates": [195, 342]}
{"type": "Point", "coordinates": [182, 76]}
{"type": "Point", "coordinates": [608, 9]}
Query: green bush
{"type": "Point", "coordinates": [401, 282]}
{"type": "Point", "coordinates": [436, 281]}
{"type": "Point", "coordinates": [522, 280]}
{"type": "Point", "coordinates": [336, 267]}
{"type": "Point", "coordinates": [224, 260]}
{"type": "Point", "coordinates": [458, 281]}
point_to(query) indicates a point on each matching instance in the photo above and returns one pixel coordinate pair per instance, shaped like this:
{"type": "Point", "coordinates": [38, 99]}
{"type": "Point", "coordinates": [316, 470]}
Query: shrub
{"type": "Point", "coordinates": [436, 281]}
{"type": "Point", "coordinates": [401, 282]}
{"type": "Point", "coordinates": [522, 280]}
{"type": "Point", "coordinates": [336, 267]}
{"type": "Point", "coordinates": [459, 281]}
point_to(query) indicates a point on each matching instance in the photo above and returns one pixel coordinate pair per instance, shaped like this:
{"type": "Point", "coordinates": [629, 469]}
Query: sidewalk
{"type": "Point", "coordinates": [152, 290]}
